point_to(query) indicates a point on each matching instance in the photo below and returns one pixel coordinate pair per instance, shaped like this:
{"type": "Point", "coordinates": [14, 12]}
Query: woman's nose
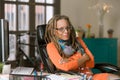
{"type": "Point", "coordinates": [65, 30]}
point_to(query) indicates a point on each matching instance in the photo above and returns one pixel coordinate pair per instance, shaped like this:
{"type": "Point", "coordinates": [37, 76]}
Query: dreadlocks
{"type": "Point", "coordinates": [51, 37]}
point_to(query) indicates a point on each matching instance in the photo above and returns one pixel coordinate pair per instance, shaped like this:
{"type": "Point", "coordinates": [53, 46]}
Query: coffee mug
{"type": "Point", "coordinates": [6, 69]}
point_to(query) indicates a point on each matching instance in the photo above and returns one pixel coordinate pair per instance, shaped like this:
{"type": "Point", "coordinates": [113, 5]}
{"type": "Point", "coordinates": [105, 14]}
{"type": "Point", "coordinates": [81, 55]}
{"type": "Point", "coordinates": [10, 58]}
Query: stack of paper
{"type": "Point", "coordinates": [4, 77]}
{"type": "Point", "coordinates": [64, 77]}
{"type": "Point", "coordinates": [56, 77]}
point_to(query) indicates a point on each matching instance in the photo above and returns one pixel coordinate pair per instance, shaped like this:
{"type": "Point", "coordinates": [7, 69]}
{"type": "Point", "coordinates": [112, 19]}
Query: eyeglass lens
{"type": "Point", "coordinates": [63, 29]}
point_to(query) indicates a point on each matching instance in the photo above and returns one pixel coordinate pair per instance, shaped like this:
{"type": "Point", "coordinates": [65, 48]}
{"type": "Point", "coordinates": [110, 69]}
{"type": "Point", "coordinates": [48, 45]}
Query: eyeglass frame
{"type": "Point", "coordinates": [62, 29]}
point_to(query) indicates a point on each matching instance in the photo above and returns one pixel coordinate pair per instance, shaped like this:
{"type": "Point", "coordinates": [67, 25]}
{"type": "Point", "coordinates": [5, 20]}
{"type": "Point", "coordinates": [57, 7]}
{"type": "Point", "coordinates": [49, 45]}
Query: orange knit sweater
{"type": "Point", "coordinates": [72, 64]}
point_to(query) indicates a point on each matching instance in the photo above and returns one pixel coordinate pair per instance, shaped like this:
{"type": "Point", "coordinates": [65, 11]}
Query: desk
{"type": "Point", "coordinates": [28, 77]}
{"type": "Point", "coordinates": [62, 76]}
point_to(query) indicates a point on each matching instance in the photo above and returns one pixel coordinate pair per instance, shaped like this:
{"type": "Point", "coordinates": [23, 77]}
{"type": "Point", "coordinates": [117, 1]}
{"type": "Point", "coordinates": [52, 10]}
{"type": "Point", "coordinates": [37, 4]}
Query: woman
{"type": "Point", "coordinates": [67, 52]}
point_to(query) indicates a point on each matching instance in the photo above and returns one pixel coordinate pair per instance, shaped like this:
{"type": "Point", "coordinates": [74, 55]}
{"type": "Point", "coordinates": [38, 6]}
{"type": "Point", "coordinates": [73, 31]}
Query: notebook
{"type": "Point", "coordinates": [23, 70]}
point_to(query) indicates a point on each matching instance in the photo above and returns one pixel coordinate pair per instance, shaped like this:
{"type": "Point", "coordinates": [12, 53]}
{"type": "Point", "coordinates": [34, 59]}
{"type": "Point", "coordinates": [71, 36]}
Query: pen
{"type": "Point", "coordinates": [35, 74]}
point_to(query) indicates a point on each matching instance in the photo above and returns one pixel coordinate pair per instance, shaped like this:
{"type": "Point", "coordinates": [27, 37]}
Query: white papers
{"type": "Point", "coordinates": [56, 77]}
{"type": "Point", "coordinates": [4, 77]}
{"type": "Point", "coordinates": [64, 77]}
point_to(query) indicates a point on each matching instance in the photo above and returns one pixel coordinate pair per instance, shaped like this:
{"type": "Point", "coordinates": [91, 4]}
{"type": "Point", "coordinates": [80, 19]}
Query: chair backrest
{"type": "Point", "coordinates": [41, 48]}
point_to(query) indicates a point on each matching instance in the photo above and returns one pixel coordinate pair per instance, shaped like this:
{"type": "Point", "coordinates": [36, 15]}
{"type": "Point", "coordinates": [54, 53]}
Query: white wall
{"type": "Point", "coordinates": [80, 15]}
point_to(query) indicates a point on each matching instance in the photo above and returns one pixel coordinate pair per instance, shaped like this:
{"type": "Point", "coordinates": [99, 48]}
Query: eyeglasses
{"type": "Point", "coordinates": [63, 29]}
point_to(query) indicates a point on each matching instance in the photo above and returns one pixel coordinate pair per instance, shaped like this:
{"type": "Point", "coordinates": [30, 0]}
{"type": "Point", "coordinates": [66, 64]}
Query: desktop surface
{"type": "Point", "coordinates": [28, 73]}
{"type": "Point", "coordinates": [62, 76]}
{"type": "Point", "coordinates": [45, 76]}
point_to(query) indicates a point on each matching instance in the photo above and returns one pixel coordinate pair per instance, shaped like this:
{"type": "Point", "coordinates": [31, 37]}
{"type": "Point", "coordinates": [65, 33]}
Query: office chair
{"type": "Point", "coordinates": [41, 48]}
{"type": "Point", "coordinates": [48, 65]}
{"type": "Point", "coordinates": [107, 68]}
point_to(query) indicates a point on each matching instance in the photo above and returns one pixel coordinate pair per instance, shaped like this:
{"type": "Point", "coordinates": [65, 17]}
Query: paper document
{"type": "Point", "coordinates": [56, 77]}
{"type": "Point", "coordinates": [64, 77]}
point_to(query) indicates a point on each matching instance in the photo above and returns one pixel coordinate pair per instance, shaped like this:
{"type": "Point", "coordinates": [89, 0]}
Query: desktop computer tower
{"type": "Point", "coordinates": [4, 40]}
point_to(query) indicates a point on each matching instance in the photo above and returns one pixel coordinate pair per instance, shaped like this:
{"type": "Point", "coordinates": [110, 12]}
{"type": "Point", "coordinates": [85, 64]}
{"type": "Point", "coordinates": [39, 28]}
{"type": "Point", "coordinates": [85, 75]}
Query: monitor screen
{"type": "Point", "coordinates": [4, 40]}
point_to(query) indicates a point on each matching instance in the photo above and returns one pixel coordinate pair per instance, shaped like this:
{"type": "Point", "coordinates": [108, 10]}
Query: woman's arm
{"type": "Point", "coordinates": [83, 60]}
{"type": "Point", "coordinates": [90, 62]}
{"type": "Point", "coordinates": [60, 63]}
{"type": "Point", "coordinates": [72, 63]}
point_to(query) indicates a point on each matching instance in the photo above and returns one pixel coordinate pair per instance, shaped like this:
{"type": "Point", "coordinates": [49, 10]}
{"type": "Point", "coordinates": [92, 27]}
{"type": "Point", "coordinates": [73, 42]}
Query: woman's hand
{"type": "Point", "coordinates": [86, 56]}
{"type": "Point", "coordinates": [63, 60]}
{"type": "Point", "coordinates": [83, 60]}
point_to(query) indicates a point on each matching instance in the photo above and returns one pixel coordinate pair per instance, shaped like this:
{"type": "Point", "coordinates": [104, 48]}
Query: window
{"type": "Point", "coordinates": [23, 17]}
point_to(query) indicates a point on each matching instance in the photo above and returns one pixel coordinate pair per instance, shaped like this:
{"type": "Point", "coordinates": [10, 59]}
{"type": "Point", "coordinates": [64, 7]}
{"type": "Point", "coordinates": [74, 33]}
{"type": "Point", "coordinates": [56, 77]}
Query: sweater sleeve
{"type": "Point", "coordinates": [89, 63]}
{"type": "Point", "coordinates": [55, 57]}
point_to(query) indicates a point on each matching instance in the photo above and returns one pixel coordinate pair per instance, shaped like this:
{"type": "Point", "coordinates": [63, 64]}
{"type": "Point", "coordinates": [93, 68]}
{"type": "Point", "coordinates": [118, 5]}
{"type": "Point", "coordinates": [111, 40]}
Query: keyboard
{"type": "Point", "coordinates": [23, 70]}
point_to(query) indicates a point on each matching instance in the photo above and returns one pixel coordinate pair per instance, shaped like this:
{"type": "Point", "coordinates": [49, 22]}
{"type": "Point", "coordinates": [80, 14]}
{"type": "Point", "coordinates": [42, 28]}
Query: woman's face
{"type": "Point", "coordinates": [63, 29]}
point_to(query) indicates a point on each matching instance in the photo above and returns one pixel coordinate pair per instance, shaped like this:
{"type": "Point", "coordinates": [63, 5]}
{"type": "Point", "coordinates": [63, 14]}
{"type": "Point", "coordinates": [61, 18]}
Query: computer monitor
{"type": "Point", "coordinates": [4, 40]}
